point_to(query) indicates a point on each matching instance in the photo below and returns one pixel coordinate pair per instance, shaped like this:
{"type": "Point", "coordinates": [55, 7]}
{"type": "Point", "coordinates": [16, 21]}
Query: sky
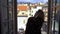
{"type": "Point", "coordinates": [33, 1]}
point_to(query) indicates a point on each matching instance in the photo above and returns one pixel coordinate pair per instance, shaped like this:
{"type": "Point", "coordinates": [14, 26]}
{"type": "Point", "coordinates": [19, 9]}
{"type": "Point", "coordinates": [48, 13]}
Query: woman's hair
{"type": "Point", "coordinates": [39, 14]}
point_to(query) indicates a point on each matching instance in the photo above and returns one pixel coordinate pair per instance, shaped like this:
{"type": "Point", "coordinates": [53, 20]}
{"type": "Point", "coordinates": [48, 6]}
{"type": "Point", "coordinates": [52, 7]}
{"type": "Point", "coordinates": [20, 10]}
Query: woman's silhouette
{"type": "Point", "coordinates": [34, 24]}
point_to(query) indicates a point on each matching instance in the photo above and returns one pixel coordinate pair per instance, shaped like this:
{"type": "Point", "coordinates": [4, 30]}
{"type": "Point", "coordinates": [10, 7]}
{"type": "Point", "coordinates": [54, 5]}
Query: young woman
{"type": "Point", "coordinates": [34, 24]}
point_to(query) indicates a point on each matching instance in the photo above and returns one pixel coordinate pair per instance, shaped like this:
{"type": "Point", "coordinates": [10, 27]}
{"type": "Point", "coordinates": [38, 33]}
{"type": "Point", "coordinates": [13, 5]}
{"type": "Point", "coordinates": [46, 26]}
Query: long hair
{"type": "Point", "coordinates": [39, 14]}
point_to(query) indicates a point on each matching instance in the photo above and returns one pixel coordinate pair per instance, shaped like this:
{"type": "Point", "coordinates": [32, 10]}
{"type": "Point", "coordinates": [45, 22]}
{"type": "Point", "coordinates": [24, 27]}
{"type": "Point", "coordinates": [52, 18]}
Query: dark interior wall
{"type": "Point", "coordinates": [8, 21]}
{"type": "Point", "coordinates": [4, 17]}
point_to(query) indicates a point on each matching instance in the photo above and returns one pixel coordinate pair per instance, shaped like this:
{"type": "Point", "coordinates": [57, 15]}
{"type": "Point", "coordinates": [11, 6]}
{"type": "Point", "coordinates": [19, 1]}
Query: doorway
{"type": "Point", "coordinates": [26, 9]}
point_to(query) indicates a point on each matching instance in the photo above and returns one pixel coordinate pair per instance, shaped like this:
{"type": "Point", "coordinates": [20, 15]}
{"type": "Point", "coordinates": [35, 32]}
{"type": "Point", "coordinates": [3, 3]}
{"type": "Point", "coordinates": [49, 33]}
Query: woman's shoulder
{"type": "Point", "coordinates": [31, 18]}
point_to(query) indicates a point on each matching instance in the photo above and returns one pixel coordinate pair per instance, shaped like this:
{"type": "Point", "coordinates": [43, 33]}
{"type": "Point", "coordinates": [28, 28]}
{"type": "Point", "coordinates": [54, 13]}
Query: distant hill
{"type": "Point", "coordinates": [33, 1]}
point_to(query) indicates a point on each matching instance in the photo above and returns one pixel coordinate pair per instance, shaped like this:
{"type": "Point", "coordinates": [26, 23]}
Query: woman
{"type": "Point", "coordinates": [34, 24]}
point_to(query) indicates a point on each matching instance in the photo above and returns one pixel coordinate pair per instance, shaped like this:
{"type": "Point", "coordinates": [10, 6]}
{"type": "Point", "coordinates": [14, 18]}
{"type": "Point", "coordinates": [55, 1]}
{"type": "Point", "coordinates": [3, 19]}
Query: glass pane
{"type": "Point", "coordinates": [55, 19]}
{"type": "Point", "coordinates": [10, 13]}
{"type": "Point", "coordinates": [58, 2]}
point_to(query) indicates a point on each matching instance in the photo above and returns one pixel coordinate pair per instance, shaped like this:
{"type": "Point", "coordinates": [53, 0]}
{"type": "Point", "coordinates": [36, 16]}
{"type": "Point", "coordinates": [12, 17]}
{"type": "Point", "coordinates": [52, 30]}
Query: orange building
{"type": "Point", "coordinates": [22, 8]}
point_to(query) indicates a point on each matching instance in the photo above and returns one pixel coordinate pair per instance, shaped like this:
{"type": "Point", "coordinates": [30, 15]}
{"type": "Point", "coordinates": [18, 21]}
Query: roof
{"type": "Point", "coordinates": [22, 8]}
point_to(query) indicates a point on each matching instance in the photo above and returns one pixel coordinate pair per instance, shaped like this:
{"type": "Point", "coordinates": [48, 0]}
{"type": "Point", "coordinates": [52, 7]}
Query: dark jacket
{"type": "Point", "coordinates": [34, 26]}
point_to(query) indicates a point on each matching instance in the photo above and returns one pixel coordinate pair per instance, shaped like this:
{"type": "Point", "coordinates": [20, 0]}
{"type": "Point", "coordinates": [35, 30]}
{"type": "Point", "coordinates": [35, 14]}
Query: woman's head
{"type": "Point", "coordinates": [39, 14]}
